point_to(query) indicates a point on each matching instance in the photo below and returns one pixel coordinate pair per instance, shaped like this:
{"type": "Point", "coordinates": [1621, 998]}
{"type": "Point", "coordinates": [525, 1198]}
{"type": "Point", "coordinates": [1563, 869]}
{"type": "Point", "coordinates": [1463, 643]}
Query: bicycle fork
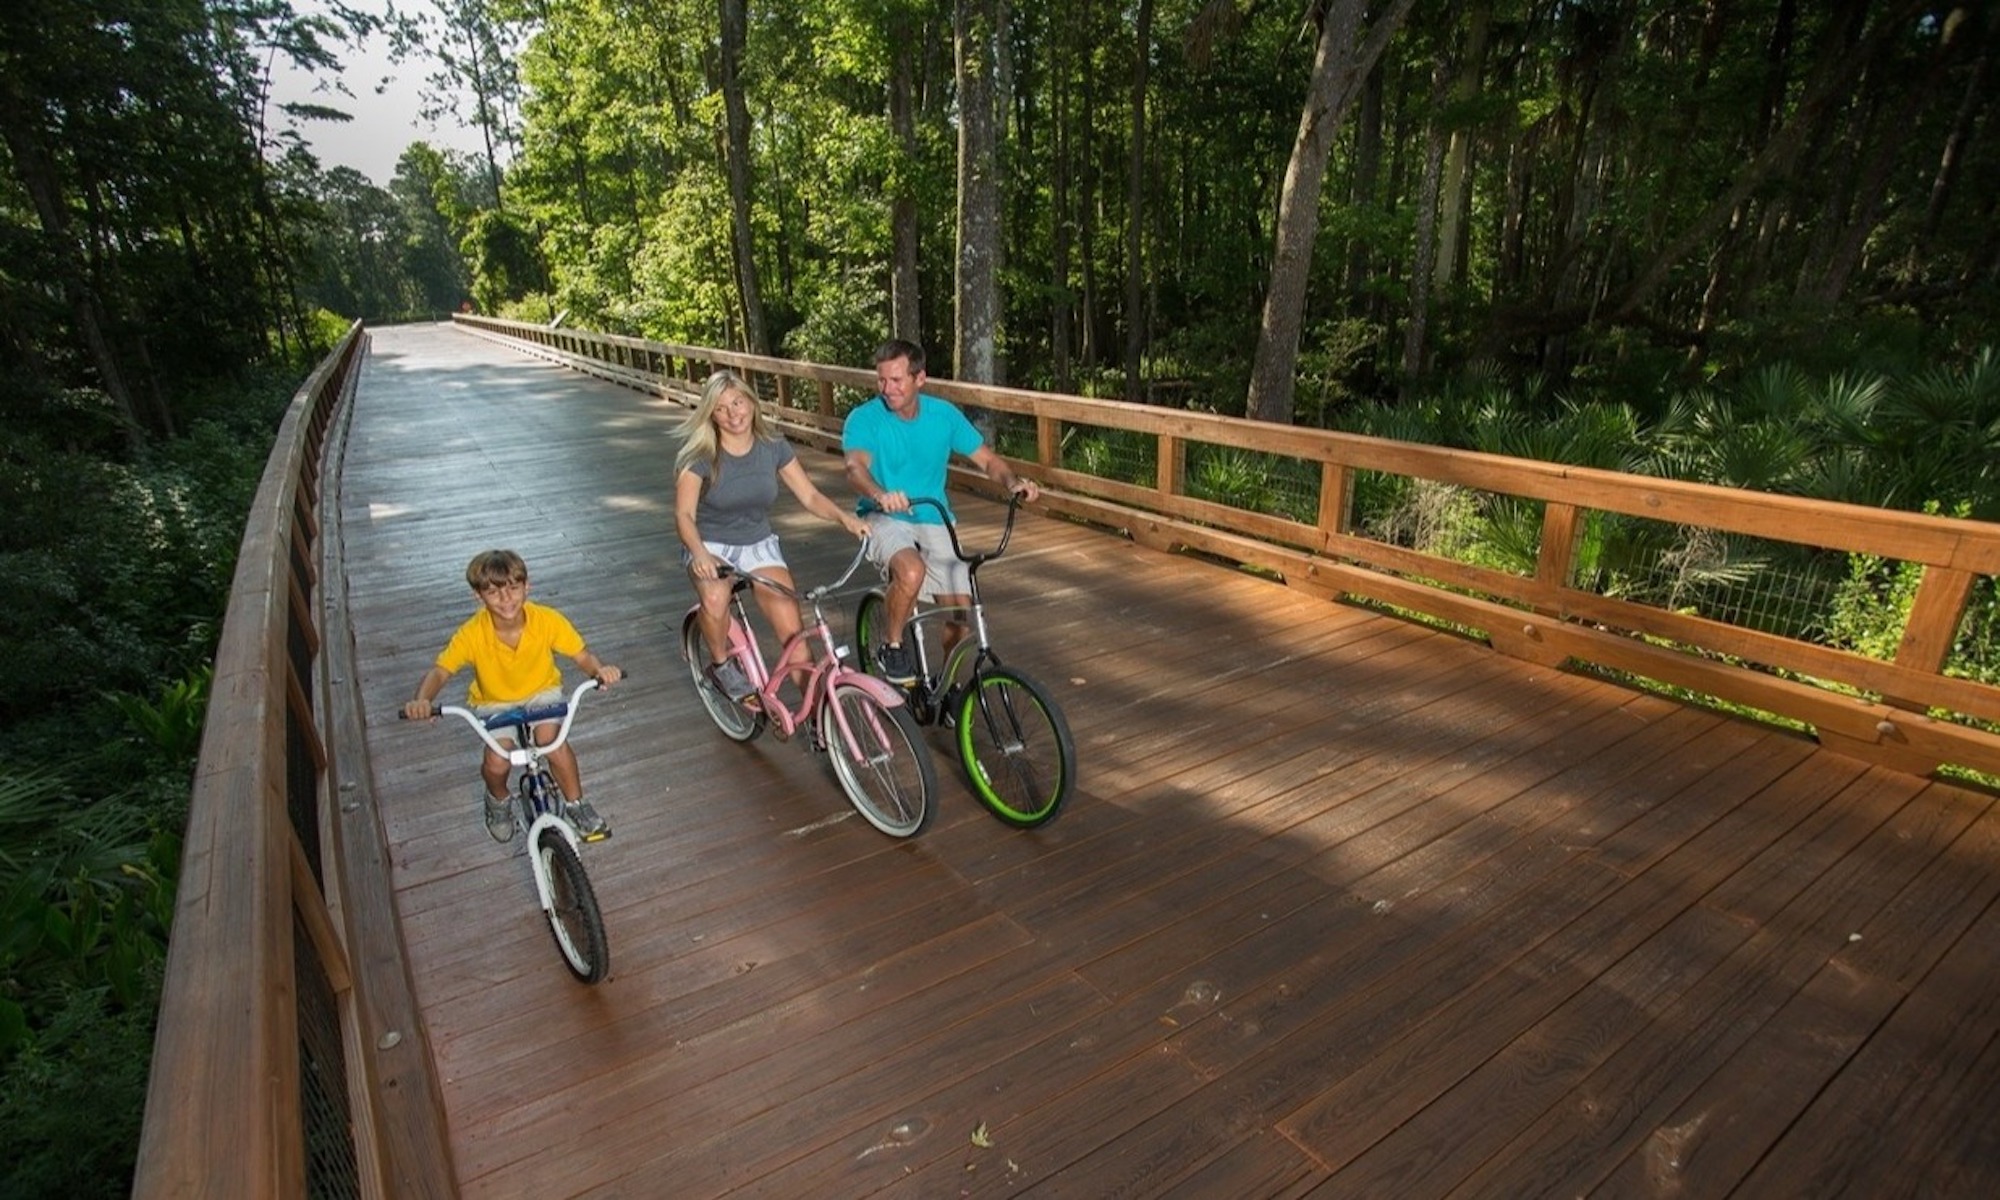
{"type": "Point", "coordinates": [877, 749]}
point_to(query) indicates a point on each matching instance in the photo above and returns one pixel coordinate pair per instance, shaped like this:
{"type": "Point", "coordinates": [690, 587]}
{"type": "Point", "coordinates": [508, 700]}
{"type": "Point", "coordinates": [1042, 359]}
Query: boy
{"type": "Point", "coordinates": [511, 646]}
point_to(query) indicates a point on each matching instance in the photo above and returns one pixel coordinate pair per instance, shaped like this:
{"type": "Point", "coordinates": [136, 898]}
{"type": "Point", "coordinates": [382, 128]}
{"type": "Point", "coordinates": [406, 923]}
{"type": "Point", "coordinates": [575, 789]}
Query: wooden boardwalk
{"type": "Point", "coordinates": [1343, 906]}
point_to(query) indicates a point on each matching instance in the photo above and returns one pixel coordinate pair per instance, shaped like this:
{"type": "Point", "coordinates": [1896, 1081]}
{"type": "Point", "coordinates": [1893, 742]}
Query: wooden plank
{"type": "Point", "coordinates": [1341, 900]}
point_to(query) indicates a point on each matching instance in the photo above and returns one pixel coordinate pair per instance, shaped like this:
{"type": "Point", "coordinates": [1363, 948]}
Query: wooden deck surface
{"type": "Point", "coordinates": [1343, 906]}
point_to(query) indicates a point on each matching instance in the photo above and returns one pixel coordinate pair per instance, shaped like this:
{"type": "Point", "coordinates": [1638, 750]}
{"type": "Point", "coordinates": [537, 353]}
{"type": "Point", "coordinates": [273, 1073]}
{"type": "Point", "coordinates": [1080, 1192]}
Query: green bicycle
{"type": "Point", "coordinates": [1012, 739]}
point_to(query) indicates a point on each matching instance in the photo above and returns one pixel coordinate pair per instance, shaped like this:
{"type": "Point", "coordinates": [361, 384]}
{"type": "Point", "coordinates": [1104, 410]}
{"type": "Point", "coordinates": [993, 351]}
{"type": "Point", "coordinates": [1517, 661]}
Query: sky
{"type": "Point", "coordinates": [384, 123]}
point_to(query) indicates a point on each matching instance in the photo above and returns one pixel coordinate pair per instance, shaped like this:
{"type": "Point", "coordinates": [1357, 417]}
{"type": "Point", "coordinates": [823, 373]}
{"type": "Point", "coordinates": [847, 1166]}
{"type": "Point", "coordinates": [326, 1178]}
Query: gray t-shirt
{"type": "Point", "coordinates": [737, 495]}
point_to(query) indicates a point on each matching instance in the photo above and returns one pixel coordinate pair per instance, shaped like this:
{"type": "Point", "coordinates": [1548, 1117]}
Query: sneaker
{"type": "Point", "coordinates": [892, 664]}
{"type": "Point", "coordinates": [589, 825]}
{"type": "Point", "coordinates": [499, 817]}
{"type": "Point", "coordinates": [729, 679]}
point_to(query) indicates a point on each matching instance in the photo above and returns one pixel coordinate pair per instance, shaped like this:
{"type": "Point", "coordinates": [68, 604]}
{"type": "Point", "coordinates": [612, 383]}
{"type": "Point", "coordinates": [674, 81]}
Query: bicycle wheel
{"type": "Point", "coordinates": [887, 773]}
{"type": "Point", "coordinates": [574, 918]}
{"type": "Point", "coordinates": [1016, 748]}
{"type": "Point", "coordinates": [871, 623]}
{"type": "Point", "coordinates": [736, 722]}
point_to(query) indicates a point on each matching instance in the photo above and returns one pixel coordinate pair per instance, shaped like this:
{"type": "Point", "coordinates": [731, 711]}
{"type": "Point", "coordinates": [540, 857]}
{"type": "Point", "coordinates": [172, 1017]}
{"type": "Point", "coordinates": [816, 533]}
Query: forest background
{"type": "Point", "coordinates": [1752, 242]}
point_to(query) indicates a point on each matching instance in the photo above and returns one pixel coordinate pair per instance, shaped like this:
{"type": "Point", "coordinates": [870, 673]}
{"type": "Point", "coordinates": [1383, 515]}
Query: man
{"type": "Point", "coordinates": [898, 445]}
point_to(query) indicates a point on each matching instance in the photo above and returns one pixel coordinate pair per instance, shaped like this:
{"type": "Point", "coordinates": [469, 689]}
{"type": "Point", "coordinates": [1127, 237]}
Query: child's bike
{"type": "Point", "coordinates": [860, 723]}
{"type": "Point", "coordinates": [564, 890]}
{"type": "Point", "coordinates": [1011, 738]}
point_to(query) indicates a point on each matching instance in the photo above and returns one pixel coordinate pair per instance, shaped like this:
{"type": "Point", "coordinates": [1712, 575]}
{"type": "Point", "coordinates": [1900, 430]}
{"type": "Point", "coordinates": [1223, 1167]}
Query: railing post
{"type": "Point", "coordinates": [1171, 470]}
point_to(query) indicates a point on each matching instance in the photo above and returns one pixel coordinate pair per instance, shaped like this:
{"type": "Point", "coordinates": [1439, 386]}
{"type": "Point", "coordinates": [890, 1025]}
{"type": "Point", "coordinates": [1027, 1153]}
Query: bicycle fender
{"type": "Point", "coordinates": [888, 694]}
{"type": "Point", "coordinates": [542, 892]}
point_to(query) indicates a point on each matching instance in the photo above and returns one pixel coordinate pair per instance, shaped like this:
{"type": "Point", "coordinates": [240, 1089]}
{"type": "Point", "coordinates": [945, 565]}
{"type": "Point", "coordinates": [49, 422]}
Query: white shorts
{"type": "Point", "coordinates": [944, 573]}
{"type": "Point", "coordinates": [743, 559]}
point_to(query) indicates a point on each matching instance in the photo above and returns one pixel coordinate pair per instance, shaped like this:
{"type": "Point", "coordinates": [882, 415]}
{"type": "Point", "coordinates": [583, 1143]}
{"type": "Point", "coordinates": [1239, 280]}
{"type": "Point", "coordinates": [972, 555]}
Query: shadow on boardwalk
{"type": "Point", "coordinates": [1343, 906]}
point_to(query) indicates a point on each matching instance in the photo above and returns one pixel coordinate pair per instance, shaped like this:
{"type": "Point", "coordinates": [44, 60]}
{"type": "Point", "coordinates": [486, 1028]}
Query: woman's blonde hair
{"type": "Point", "coordinates": [698, 428]}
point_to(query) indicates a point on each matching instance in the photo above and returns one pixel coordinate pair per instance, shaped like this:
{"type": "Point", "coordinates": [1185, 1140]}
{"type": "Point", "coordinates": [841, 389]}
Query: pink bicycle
{"type": "Point", "coordinates": [859, 722]}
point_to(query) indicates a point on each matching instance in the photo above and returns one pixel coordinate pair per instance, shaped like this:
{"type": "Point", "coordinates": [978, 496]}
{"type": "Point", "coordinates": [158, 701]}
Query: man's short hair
{"type": "Point", "coordinates": [896, 348]}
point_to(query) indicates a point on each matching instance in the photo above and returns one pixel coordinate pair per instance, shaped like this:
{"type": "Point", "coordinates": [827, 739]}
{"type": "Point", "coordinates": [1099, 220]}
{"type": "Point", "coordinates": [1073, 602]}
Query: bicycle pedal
{"type": "Point", "coordinates": [600, 835]}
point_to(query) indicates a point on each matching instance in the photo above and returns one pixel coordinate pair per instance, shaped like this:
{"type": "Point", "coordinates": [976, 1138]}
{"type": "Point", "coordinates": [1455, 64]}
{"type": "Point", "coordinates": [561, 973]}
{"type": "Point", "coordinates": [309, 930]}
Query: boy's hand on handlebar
{"type": "Point", "coordinates": [608, 675]}
{"type": "Point", "coordinates": [894, 502]}
{"type": "Point", "coordinates": [1026, 490]}
{"type": "Point", "coordinates": [419, 710]}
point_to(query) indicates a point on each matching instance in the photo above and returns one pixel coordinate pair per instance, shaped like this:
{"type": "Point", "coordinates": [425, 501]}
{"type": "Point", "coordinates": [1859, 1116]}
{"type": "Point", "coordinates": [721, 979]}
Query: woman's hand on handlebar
{"type": "Point", "coordinates": [854, 525]}
{"type": "Point", "coordinates": [703, 565]}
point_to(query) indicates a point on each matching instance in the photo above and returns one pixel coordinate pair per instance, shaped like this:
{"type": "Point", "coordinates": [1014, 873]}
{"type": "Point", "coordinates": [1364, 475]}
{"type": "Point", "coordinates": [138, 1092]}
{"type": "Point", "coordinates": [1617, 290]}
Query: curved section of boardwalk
{"type": "Point", "coordinates": [1343, 907]}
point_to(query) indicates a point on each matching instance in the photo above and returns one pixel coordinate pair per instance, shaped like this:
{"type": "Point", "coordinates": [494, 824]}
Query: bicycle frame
{"type": "Point", "coordinates": [1009, 734]}
{"type": "Point", "coordinates": [972, 652]}
{"type": "Point", "coordinates": [824, 671]}
{"type": "Point", "coordinates": [862, 724]}
{"type": "Point", "coordinates": [531, 759]}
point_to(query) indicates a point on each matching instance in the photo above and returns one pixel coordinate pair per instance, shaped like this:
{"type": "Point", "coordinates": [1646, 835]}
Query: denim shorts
{"type": "Point", "coordinates": [543, 699]}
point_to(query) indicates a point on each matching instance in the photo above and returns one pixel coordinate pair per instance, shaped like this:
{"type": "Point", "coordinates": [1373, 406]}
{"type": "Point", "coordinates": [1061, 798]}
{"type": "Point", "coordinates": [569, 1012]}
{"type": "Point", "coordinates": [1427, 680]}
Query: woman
{"type": "Point", "coordinates": [726, 480]}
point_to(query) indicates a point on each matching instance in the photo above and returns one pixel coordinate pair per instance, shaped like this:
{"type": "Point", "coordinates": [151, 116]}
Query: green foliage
{"type": "Point", "coordinates": [1872, 605]}
{"type": "Point", "coordinates": [842, 320]}
{"type": "Point", "coordinates": [504, 259]}
{"type": "Point", "coordinates": [121, 568]}
{"type": "Point", "coordinates": [172, 725]}
{"type": "Point", "coordinates": [71, 1099]}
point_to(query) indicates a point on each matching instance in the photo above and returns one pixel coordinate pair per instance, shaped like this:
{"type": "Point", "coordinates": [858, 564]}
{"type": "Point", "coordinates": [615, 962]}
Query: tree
{"type": "Point", "coordinates": [474, 46]}
{"type": "Point", "coordinates": [1341, 63]}
{"type": "Point", "coordinates": [736, 153]}
{"type": "Point", "coordinates": [977, 28]}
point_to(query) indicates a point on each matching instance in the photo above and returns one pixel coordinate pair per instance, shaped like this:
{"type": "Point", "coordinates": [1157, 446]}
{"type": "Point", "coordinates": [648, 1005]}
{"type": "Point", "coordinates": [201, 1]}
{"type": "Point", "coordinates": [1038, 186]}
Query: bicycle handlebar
{"type": "Point", "coordinates": [520, 716]}
{"type": "Point", "coordinates": [951, 527]}
{"type": "Point", "coordinates": [745, 579]}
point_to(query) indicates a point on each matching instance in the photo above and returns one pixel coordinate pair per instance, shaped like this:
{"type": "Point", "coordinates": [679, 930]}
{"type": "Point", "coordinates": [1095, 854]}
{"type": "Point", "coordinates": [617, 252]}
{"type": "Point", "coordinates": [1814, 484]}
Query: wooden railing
{"type": "Point", "coordinates": [1560, 605]}
{"type": "Point", "coordinates": [290, 1058]}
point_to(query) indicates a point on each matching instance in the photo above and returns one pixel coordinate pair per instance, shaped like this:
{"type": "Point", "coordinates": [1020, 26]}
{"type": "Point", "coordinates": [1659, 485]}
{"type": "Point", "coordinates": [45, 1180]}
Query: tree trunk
{"type": "Point", "coordinates": [1135, 207]}
{"type": "Point", "coordinates": [737, 153]}
{"type": "Point", "coordinates": [1455, 197]}
{"type": "Point", "coordinates": [1361, 192]}
{"type": "Point", "coordinates": [1872, 180]}
{"type": "Point", "coordinates": [1833, 76]}
{"type": "Point", "coordinates": [905, 291]}
{"type": "Point", "coordinates": [1422, 269]}
{"type": "Point", "coordinates": [37, 176]}
{"type": "Point", "coordinates": [1340, 65]}
{"type": "Point", "coordinates": [976, 327]}
{"type": "Point", "coordinates": [1061, 304]}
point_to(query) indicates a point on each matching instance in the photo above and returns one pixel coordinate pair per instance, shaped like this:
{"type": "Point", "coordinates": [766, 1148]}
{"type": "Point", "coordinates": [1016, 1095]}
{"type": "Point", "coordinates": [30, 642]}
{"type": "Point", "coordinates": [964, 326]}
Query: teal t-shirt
{"type": "Point", "coordinates": [911, 456]}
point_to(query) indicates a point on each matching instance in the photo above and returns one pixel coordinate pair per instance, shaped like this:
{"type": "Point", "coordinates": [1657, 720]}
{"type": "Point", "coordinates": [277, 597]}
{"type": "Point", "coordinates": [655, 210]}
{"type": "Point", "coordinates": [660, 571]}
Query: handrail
{"type": "Point", "coordinates": [289, 1059]}
{"type": "Point", "coordinates": [1906, 712]}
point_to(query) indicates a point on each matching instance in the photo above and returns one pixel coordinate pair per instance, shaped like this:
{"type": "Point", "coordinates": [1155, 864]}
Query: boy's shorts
{"type": "Point", "coordinates": [743, 559]}
{"type": "Point", "coordinates": [944, 573]}
{"type": "Point", "coordinates": [543, 699]}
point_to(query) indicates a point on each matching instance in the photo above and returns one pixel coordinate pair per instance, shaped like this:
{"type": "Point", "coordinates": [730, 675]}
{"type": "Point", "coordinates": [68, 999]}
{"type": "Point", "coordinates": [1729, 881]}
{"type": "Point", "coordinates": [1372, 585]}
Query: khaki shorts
{"type": "Point", "coordinates": [944, 574]}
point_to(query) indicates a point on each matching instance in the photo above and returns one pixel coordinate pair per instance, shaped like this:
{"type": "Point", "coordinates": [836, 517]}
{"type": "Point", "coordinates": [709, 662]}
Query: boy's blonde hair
{"type": "Point", "coordinates": [494, 568]}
